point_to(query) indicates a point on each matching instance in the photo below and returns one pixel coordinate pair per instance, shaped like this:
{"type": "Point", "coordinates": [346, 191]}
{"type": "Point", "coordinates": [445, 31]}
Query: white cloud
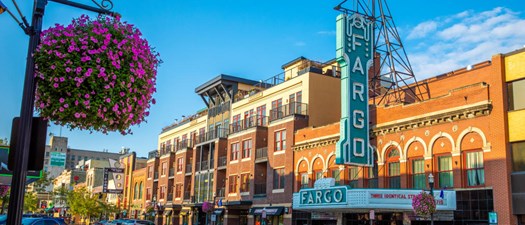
{"type": "Point", "coordinates": [422, 29]}
{"type": "Point", "coordinates": [447, 43]}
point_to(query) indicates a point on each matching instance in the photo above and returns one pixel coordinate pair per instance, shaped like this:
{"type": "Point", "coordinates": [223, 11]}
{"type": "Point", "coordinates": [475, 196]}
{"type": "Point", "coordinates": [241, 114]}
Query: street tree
{"type": "Point", "coordinates": [4, 196]}
{"type": "Point", "coordinates": [81, 203]}
{"type": "Point", "coordinates": [30, 202]}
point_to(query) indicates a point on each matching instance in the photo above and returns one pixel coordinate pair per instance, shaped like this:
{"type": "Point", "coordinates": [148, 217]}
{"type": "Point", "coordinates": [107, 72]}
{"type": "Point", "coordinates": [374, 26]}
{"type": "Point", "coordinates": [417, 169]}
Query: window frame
{"type": "Point", "coordinates": [466, 170]}
{"type": "Point", "coordinates": [280, 140]}
{"type": "Point", "coordinates": [234, 154]}
{"type": "Point", "coordinates": [232, 184]}
{"type": "Point", "coordinates": [245, 182]}
{"type": "Point", "coordinates": [438, 184]}
{"type": "Point", "coordinates": [246, 148]}
{"type": "Point", "coordinates": [279, 178]}
{"type": "Point", "coordinates": [413, 175]}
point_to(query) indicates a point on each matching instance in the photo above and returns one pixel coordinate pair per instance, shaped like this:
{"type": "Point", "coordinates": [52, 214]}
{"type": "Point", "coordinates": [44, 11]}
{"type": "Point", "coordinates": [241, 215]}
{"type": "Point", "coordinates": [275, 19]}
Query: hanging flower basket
{"type": "Point", "coordinates": [207, 207]}
{"type": "Point", "coordinates": [424, 204]}
{"type": "Point", "coordinates": [96, 75]}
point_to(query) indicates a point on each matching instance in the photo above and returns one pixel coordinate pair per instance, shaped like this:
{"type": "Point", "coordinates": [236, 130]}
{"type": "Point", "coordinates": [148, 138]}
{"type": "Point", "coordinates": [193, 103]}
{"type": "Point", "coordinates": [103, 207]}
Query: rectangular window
{"type": "Point", "coordinates": [235, 151]}
{"type": "Point", "coordinates": [353, 176]}
{"type": "Point", "coordinates": [445, 174]}
{"type": "Point", "coordinates": [148, 194]}
{"type": "Point", "coordinates": [335, 173]}
{"type": "Point", "coordinates": [233, 184]}
{"type": "Point", "coordinates": [261, 115]}
{"type": "Point", "coordinates": [180, 162]}
{"type": "Point", "coordinates": [516, 97]}
{"type": "Point", "coordinates": [280, 140]}
{"type": "Point", "coordinates": [278, 178]}
{"type": "Point", "coordinates": [150, 171]}
{"type": "Point", "coordinates": [371, 181]}
{"type": "Point", "coordinates": [394, 180]}
{"type": "Point", "coordinates": [178, 191]}
{"type": "Point", "coordinates": [246, 148]}
{"type": "Point", "coordinates": [304, 180]}
{"type": "Point", "coordinates": [245, 182]}
{"type": "Point", "coordinates": [418, 174]}
{"type": "Point", "coordinates": [518, 156]}
{"type": "Point", "coordinates": [164, 169]}
{"type": "Point", "coordinates": [162, 192]}
{"type": "Point", "coordinates": [475, 170]}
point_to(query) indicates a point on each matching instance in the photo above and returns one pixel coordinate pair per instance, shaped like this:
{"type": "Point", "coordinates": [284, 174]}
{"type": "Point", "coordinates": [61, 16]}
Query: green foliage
{"type": "Point", "coordinates": [41, 184]}
{"type": "Point", "coordinates": [81, 203]}
{"type": "Point", "coordinates": [30, 202]}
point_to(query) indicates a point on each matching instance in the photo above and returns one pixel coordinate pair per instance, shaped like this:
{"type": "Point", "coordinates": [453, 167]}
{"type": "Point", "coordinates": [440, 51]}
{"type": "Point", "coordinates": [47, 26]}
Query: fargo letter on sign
{"type": "Point", "coordinates": [334, 195]}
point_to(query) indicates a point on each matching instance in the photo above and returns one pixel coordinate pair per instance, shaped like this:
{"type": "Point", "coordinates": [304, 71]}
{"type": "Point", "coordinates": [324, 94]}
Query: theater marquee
{"type": "Point", "coordinates": [355, 41]}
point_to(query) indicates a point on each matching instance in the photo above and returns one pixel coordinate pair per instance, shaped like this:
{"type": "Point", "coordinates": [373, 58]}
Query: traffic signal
{"type": "Point", "coordinates": [43, 204]}
{"type": "Point", "coordinates": [37, 146]}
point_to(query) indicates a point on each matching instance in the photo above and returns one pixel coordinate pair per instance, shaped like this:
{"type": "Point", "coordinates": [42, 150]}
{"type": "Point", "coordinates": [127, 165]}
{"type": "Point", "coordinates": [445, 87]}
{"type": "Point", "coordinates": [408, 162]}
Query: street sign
{"type": "Point", "coordinates": [354, 53]}
{"type": "Point", "coordinates": [117, 175]}
{"type": "Point", "coordinates": [4, 171]}
{"type": "Point", "coordinates": [493, 218]}
{"type": "Point", "coordinates": [58, 159]}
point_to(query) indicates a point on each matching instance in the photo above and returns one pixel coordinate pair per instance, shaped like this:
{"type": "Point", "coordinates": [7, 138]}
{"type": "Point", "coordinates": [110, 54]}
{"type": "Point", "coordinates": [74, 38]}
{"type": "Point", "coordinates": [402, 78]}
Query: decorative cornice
{"type": "Point", "coordinates": [316, 143]}
{"type": "Point", "coordinates": [432, 119]}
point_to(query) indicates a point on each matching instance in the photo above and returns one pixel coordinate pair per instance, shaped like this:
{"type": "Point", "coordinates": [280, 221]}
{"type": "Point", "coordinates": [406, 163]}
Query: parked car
{"type": "Point", "coordinates": [102, 222]}
{"type": "Point", "coordinates": [137, 222]}
{"type": "Point", "coordinates": [3, 219]}
{"type": "Point", "coordinates": [42, 221]}
{"type": "Point", "coordinates": [117, 222]}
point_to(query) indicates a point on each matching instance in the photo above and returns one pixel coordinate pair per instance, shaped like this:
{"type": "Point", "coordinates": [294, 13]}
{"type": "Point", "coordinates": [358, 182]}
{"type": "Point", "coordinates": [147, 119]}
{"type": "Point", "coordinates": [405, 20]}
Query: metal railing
{"type": "Point", "coordinates": [213, 134]}
{"type": "Point", "coordinates": [260, 189]}
{"type": "Point", "coordinates": [222, 161]}
{"type": "Point", "coordinates": [153, 154]}
{"type": "Point", "coordinates": [184, 144]}
{"type": "Point", "coordinates": [261, 153]}
{"type": "Point", "coordinates": [252, 121]}
{"type": "Point", "coordinates": [188, 168]}
{"type": "Point", "coordinates": [221, 108]}
{"type": "Point", "coordinates": [293, 108]}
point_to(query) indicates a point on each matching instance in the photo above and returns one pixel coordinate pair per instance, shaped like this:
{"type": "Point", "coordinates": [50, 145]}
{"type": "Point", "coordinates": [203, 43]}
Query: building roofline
{"type": "Point", "coordinates": [223, 77]}
{"type": "Point", "coordinates": [515, 52]}
{"type": "Point", "coordinates": [293, 61]}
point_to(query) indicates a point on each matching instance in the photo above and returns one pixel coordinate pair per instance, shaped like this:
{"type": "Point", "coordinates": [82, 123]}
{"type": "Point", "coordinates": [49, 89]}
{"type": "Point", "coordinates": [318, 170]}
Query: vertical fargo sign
{"type": "Point", "coordinates": [354, 53]}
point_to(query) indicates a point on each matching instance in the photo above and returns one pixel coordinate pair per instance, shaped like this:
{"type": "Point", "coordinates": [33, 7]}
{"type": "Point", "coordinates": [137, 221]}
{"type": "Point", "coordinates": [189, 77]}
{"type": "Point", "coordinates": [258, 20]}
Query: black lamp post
{"type": "Point", "coordinates": [16, 200]}
{"type": "Point", "coordinates": [431, 185]}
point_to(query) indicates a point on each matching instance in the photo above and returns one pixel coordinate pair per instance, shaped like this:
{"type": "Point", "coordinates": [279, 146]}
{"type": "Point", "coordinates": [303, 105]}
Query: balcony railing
{"type": "Point", "coordinates": [221, 108]}
{"type": "Point", "coordinates": [261, 153]}
{"type": "Point", "coordinates": [153, 154]}
{"type": "Point", "coordinates": [260, 189]}
{"type": "Point", "coordinates": [184, 144]}
{"type": "Point", "coordinates": [188, 168]}
{"type": "Point", "coordinates": [187, 195]}
{"type": "Point", "coordinates": [252, 121]}
{"type": "Point", "coordinates": [221, 192]}
{"type": "Point", "coordinates": [293, 108]}
{"type": "Point", "coordinates": [172, 172]}
{"type": "Point", "coordinates": [222, 161]}
{"type": "Point", "coordinates": [212, 134]}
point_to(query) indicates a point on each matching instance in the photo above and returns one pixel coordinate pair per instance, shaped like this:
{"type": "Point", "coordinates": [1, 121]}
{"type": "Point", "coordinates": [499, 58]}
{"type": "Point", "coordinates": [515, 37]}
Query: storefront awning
{"type": "Point", "coordinates": [184, 212]}
{"type": "Point", "coordinates": [218, 211]}
{"type": "Point", "coordinates": [167, 212]}
{"type": "Point", "coordinates": [270, 211]}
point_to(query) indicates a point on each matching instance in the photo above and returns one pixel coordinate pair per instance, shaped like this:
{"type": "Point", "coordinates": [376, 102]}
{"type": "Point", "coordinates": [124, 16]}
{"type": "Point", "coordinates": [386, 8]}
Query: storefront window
{"type": "Point", "coordinates": [475, 170]}
{"type": "Point", "coordinates": [518, 156]}
{"type": "Point", "coordinates": [515, 95]}
{"type": "Point", "coordinates": [270, 220]}
{"type": "Point", "coordinates": [418, 174]}
{"type": "Point", "coordinates": [446, 177]}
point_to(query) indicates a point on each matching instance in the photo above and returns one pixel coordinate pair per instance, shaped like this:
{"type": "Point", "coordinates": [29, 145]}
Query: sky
{"type": "Point", "coordinates": [199, 40]}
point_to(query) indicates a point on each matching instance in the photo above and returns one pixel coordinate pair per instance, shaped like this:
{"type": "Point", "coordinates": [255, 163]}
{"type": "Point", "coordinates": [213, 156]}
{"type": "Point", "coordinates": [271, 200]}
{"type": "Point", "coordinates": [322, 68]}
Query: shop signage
{"type": "Point", "coordinates": [327, 196]}
{"type": "Point", "coordinates": [493, 218]}
{"type": "Point", "coordinates": [390, 199]}
{"type": "Point", "coordinates": [354, 53]}
{"type": "Point", "coordinates": [58, 159]}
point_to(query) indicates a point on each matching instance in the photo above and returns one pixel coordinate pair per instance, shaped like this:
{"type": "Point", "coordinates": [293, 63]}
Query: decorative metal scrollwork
{"type": "Point", "coordinates": [104, 4]}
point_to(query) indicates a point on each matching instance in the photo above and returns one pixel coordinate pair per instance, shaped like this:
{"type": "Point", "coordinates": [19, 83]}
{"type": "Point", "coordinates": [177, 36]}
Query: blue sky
{"type": "Point", "coordinates": [198, 40]}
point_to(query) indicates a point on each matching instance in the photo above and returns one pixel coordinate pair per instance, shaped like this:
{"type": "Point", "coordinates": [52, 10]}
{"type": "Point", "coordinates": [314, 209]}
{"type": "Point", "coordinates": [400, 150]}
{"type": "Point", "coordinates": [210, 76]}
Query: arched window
{"type": "Point", "coordinates": [141, 187]}
{"type": "Point", "coordinates": [394, 179]}
{"type": "Point", "coordinates": [136, 191]}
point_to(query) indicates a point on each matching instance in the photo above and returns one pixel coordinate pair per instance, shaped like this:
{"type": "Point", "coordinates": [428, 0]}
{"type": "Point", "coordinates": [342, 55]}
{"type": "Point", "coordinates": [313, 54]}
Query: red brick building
{"type": "Point", "coordinates": [457, 134]}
